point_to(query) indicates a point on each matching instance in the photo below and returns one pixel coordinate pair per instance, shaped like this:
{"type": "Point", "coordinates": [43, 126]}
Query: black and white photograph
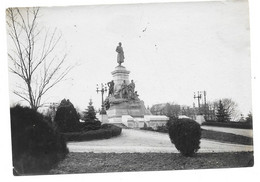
{"type": "Point", "coordinates": [131, 87]}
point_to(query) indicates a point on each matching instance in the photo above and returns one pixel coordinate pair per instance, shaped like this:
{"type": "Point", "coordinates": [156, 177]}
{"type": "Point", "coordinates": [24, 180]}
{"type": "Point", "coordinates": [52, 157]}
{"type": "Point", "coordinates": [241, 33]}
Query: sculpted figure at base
{"type": "Point", "coordinates": [111, 88]}
{"type": "Point", "coordinates": [120, 55]}
{"type": "Point", "coordinates": [131, 90]}
{"type": "Point", "coordinates": [124, 90]}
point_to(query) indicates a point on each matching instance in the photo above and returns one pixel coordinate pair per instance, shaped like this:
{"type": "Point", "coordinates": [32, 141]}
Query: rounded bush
{"type": "Point", "coordinates": [185, 134]}
{"type": "Point", "coordinates": [66, 118]}
{"type": "Point", "coordinates": [36, 146]}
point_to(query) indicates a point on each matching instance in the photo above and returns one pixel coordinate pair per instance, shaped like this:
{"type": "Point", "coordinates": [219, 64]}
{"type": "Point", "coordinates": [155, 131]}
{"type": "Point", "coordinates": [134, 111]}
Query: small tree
{"type": "Point", "coordinates": [249, 118]}
{"type": "Point", "coordinates": [90, 113]}
{"type": "Point", "coordinates": [222, 114]}
{"type": "Point", "coordinates": [91, 121]}
{"type": "Point", "coordinates": [230, 106]}
{"type": "Point", "coordinates": [67, 119]}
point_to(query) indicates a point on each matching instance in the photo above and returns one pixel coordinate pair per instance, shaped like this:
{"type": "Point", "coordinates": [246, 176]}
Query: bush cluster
{"type": "Point", "coordinates": [185, 134]}
{"type": "Point", "coordinates": [90, 125]}
{"type": "Point", "coordinates": [162, 129]}
{"type": "Point", "coordinates": [106, 131]}
{"type": "Point", "coordinates": [36, 146]}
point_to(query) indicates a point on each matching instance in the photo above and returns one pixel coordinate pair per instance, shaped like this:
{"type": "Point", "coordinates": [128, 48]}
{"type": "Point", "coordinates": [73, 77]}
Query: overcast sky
{"type": "Point", "coordinates": [171, 50]}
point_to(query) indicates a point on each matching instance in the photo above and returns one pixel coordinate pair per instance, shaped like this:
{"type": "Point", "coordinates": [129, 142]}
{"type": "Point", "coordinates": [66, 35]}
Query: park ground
{"type": "Point", "coordinates": [139, 150]}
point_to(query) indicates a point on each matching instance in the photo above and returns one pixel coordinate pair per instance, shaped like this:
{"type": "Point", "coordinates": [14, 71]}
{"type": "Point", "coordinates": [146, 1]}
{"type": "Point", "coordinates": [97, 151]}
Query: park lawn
{"type": "Point", "coordinates": [123, 162]}
{"type": "Point", "coordinates": [226, 137]}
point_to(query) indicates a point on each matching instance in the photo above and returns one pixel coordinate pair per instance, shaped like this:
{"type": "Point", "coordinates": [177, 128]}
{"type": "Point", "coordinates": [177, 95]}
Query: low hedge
{"type": "Point", "coordinates": [160, 129]}
{"type": "Point", "coordinates": [106, 131]}
{"type": "Point", "coordinates": [241, 125]}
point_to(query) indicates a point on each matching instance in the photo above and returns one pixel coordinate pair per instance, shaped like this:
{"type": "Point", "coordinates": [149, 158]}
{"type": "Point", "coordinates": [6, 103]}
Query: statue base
{"type": "Point", "coordinates": [132, 108]}
{"type": "Point", "coordinates": [124, 106]}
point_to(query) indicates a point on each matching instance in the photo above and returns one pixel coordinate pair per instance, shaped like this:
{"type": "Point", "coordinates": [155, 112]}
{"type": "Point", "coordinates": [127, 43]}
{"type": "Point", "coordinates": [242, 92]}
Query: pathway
{"type": "Point", "coordinates": [141, 141]}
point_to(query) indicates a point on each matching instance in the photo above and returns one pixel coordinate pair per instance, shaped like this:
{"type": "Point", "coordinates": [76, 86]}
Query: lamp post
{"type": "Point", "coordinates": [102, 89]}
{"type": "Point", "coordinates": [198, 97]}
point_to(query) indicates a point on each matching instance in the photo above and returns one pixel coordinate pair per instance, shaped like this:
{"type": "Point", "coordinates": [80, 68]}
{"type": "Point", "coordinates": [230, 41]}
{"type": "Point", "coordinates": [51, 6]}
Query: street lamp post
{"type": "Point", "coordinates": [198, 97]}
{"type": "Point", "coordinates": [102, 89]}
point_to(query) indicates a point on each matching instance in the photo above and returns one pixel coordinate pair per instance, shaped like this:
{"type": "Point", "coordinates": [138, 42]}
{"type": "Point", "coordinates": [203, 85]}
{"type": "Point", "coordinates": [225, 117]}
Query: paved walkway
{"type": "Point", "coordinates": [237, 131]}
{"type": "Point", "coordinates": [142, 141]}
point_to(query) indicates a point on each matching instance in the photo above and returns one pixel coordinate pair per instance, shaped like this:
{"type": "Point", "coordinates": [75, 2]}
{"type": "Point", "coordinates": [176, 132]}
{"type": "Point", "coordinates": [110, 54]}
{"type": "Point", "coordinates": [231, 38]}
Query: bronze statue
{"type": "Point", "coordinates": [131, 90]}
{"type": "Point", "coordinates": [111, 88]}
{"type": "Point", "coordinates": [124, 90]}
{"type": "Point", "coordinates": [120, 55]}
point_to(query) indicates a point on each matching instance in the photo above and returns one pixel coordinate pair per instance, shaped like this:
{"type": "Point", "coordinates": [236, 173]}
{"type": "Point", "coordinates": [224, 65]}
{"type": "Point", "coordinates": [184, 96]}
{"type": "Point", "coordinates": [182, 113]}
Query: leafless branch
{"type": "Point", "coordinates": [38, 73]}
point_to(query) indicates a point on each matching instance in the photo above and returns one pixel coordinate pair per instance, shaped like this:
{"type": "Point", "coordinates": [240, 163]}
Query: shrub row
{"type": "Point", "coordinates": [90, 125]}
{"type": "Point", "coordinates": [106, 131]}
{"type": "Point", "coordinates": [241, 125]}
{"type": "Point", "coordinates": [36, 145]}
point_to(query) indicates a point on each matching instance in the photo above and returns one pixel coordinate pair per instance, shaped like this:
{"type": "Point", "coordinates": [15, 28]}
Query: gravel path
{"type": "Point", "coordinates": [141, 141]}
{"type": "Point", "coordinates": [237, 131]}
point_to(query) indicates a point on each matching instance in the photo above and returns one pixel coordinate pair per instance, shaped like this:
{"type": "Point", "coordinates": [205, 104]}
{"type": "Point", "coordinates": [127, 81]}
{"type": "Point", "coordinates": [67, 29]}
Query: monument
{"type": "Point", "coordinates": [123, 104]}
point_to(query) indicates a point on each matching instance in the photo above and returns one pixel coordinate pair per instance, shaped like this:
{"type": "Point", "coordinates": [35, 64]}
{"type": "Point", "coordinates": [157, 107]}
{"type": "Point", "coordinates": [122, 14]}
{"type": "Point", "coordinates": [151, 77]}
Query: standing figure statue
{"type": "Point", "coordinates": [131, 90]}
{"type": "Point", "coordinates": [120, 55]}
{"type": "Point", "coordinates": [111, 88]}
{"type": "Point", "coordinates": [124, 90]}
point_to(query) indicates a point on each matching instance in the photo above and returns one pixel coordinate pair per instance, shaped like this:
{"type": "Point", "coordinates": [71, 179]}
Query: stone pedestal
{"type": "Point", "coordinates": [103, 118]}
{"type": "Point", "coordinates": [134, 109]}
{"type": "Point", "coordinates": [119, 75]}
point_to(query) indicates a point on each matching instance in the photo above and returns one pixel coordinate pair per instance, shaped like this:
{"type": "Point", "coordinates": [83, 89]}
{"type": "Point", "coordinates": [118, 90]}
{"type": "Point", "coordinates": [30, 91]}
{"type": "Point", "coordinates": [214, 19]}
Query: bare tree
{"type": "Point", "coordinates": [32, 56]}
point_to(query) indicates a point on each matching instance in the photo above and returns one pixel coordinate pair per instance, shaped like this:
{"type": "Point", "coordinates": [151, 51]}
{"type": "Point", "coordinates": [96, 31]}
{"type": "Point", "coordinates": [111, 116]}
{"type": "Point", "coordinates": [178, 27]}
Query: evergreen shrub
{"type": "Point", "coordinates": [185, 134]}
{"type": "Point", "coordinates": [66, 118]}
{"type": "Point", "coordinates": [90, 120]}
{"type": "Point", "coordinates": [36, 146]}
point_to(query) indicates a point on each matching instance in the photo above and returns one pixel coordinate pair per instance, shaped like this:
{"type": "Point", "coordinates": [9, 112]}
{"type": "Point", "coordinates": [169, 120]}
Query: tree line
{"type": "Point", "coordinates": [222, 110]}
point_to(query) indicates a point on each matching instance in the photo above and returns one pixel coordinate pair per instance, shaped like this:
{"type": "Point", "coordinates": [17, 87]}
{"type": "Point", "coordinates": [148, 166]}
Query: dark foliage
{"type": "Point", "coordinates": [162, 129]}
{"type": "Point", "coordinates": [106, 131]}
{"type": "Point", "coordinates": [249, 119]}
{"type": "Point", "coordinates": [36, 146]}
{"type": "Point", "coordinates": [222, 113]}
{"type": "Point", "coordinates": [87, 126]}
{"type": "Point", "coordinates": [185, 134]}
{"type": "Point", "coordinates": [67, 119]}
{"type": "Point", "coordinates": [90, 114]}
{"type": "Point", "coordinates": [90, 120]}
{"type": "Point", "coordinates": [147, 128]}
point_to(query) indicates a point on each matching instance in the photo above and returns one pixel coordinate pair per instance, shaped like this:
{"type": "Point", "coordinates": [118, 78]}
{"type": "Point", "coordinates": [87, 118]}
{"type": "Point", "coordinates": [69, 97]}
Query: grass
{"type": "Point", "coordinates": [226, 137]}
{"type": "Point", "coordinates": [125, 162]}
{"type": "Point", "coordinates": [218, 136]}
{"type": "Point", "coordinates": [114, 162]}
